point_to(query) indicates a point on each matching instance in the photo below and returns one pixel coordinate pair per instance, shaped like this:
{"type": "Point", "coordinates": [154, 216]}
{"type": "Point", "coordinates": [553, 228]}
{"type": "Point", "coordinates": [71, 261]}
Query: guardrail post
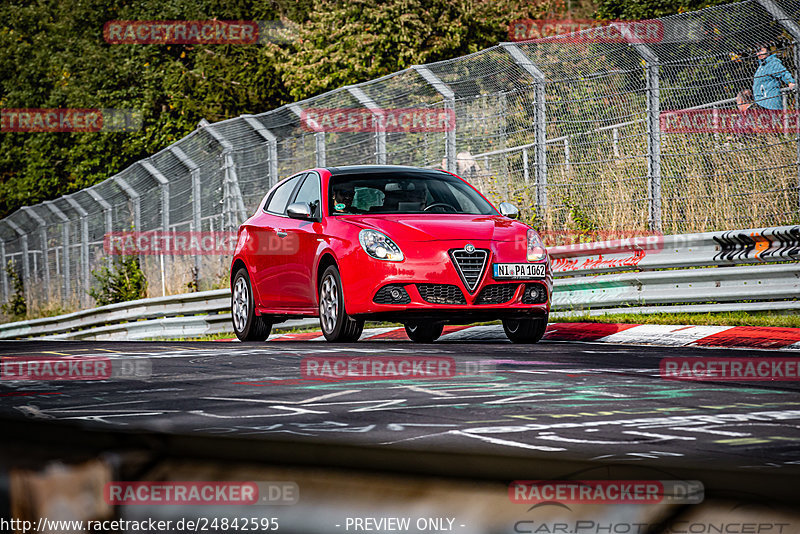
{"type": "Point", "coordinates": [231, 179]}
{"type": "Point", "coordinates": [87, 283]}
{"type": "Point", "coordinates": [319, 135]}
{"type": "Point", "coordinates": [26, 268]}
{"type": "Point", "coordinates": [272, 141]}
{"type": "Point", "coordinates": [540, 126]}
{"type": "Point", "coordinates": [194, 170]}
{"type": "Point", "coordinates": [107, 214]}
{"type": "Point", "coordinates": [449, 103]}
{"type": "Point", "coordinates": [43, 241]}
{"type": "Point", "coordinates": [793, 29]}
{"type": "Point", "coordinates": [64, 244]}
{"type": "Point", "coordinates": [164, 185]}
{"type": "Point", "coordinates": [653, 134]}
{"type": "Point", "coordinates": [380, 142]}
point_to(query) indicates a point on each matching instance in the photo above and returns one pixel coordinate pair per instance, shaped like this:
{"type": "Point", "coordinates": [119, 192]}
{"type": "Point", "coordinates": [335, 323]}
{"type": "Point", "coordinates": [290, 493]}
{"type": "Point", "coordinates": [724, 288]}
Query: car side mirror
{"type": "Point", "coordinates": [507, 209]}
{"type": "Point", "coordinates": [299, 210]}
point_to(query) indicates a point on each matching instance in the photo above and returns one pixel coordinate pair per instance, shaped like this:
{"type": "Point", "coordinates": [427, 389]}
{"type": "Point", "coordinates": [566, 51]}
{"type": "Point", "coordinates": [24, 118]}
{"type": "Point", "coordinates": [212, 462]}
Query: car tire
{"type": "Point", "coordinates": [525, 330]}
{"type": "Point", "coordinates": [246, 324]}
{"type": "Point", "coordinates": [424, 333]}
{"type": "Point", "coordinates": [336, 325]}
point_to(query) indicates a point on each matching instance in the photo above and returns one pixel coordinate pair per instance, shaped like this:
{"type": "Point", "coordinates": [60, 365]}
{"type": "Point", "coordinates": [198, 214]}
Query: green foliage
{"type": "Point", "coordinates": [17, 308]}
{"type": "Point", "coordinates": [124, 282]}
{"type": "Point", "coordinates": [649, 9]}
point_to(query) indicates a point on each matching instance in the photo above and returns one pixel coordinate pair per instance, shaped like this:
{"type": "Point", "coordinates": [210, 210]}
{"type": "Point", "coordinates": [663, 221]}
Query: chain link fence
{"type": "Point", "coordinates": [569, 130]}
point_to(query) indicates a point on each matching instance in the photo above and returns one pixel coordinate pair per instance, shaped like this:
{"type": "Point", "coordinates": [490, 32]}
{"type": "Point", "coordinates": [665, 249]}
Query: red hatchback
{"type": "Point", "coordinates": [387, 243]}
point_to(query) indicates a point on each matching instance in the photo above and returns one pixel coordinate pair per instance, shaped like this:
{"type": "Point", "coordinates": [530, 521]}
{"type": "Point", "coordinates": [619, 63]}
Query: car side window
{"type": "Point", "coordinates": [280, 197]}
{"type": "Point", "coordinates": [309, 193]}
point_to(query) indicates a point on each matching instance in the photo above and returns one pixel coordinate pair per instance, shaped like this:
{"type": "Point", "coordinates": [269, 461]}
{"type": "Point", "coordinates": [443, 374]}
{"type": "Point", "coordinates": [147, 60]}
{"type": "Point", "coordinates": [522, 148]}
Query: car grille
{"type": "Point", "coordinates": [384, 295]}
{"type": "Point", "coordinates": [441, 294]}
{"type": "Point", "coordinates": [470, 266]}
{"type": "Point", "coordinates": [534, 294]}
{"type": "Point", "coordinates": [497, 294]}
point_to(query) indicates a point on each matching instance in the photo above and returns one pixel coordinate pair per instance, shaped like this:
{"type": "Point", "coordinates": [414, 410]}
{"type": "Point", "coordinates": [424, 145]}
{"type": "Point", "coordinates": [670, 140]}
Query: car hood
{"type": "Point", "coordinates": [434, 227]}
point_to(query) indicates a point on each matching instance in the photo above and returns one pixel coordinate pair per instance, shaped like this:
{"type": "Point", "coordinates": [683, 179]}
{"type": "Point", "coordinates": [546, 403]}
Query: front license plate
{"type": "Point", "coordinates": [518, 270]}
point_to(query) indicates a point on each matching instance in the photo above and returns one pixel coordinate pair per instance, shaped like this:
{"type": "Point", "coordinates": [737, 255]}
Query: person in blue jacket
{"type": "Point", "coordinates": [767, 79]}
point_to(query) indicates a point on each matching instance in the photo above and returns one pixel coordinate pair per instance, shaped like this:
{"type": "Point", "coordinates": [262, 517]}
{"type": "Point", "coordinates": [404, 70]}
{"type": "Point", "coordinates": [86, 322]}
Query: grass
{"type": "Point", "coordinates": [734, 318]}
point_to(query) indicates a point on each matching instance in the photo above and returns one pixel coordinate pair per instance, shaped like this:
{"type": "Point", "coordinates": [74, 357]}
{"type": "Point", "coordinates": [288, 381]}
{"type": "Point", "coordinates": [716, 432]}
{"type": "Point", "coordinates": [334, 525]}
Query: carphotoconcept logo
{"type": "Point", "coordinates": [73, 120]}
{"type": "Point", "coordinates": [201, 493]}
{"type": "Point", "coordinates": [721, 369]}
{"type": "Point", "coordinates": [392, 120]}
{"type": "Point", "coordinates": [74, 368]}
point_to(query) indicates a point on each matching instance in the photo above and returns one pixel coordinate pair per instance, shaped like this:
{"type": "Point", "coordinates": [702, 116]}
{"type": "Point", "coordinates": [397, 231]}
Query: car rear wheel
{"type": "Point", "coordinates": [246, 324]}
{"type": "Point", "coordinates": [337, 326]}
{"type": "Point", "coordinates": [525, 330]}
{"type": "Point", "coordinates": [423, 333]}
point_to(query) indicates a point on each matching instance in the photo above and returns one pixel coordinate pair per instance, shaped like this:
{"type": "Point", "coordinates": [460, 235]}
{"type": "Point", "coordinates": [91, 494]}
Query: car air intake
{"type": "Point", "coordinates": [392, 294]}
{"type": "Point", "coordinates": [470, 266]}
{"type": "Point", "coordinates": [497, 294]}
{"type": "Point", "coordinates": [441, 294]}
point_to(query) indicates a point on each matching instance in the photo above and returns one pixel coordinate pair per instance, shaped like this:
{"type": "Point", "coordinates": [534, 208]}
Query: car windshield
{"type": "Point", "coordinates": [403, 193]}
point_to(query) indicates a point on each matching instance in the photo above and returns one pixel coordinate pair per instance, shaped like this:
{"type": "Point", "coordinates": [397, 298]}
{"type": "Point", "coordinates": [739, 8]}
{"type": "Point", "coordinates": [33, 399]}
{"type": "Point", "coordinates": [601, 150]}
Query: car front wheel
{"type": "Point", "coordinates": [423, 333]}
{"type": "Point", "coordinates": [246, 324]}
{"type": "Point", "coordinates": [525, 330]}
{"type": "Point", "coordinates": [336, 325]}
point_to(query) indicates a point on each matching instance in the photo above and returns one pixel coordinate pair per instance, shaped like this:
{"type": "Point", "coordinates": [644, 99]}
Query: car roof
{"type": "Point", "coordinates": [369, 169]}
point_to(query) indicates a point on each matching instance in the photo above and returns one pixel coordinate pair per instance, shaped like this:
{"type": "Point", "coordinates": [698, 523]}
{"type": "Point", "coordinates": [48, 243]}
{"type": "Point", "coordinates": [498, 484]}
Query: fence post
{"type": "Point", "coordinates": [107, 213]}
{"type": "Point", "coordinates": [3, 275]}
{"type": "Point", "coordinates": [65, 244]}
{"type": "Point", "coordinates": [84, 246]}
{"type": "Point", "coordinates": [26, 269]}
{"type": "Point", "coordinates": [367, 102]}
{"type": "Point", "coordinates": [43, 241]}
{"type": "Point", "coordinates": [164, 186]}
{"type": "Point", "coordinates": [793, 29]}
{"type": "Point", "coordinates": [653, 134]}
{"type": "Point", "coordinates": [194, 170]}
{"type": "Point", "coordinates": [231, 178]}
{"type": "Point", "coordinates": [319, 135]}
{"type": "Point", "coordinates": [272, 141]}
{"type": "Point", "coordinates": [137, 208]}
{"type": "Point", "coordinates": [540, 126]}
{"type": "Point", "coordinates": [449, 103]}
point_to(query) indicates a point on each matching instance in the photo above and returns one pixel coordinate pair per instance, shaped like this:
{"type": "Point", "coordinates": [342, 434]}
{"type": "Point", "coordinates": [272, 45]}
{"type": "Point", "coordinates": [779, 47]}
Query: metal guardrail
{"type": "Point", "coordinates": [747, 270]}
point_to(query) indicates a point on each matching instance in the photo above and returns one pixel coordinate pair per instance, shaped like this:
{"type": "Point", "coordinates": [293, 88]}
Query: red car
{"type": "Point", "coordinates": [387, 243]}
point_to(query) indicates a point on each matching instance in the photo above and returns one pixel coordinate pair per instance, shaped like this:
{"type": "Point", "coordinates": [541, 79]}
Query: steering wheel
{"type": "Point", "coordinates": [441, 204]}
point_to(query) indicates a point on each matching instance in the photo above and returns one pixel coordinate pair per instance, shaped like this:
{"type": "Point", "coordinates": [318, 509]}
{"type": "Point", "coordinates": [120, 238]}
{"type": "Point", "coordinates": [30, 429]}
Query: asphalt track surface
{"type": "Point", "coordinates": [588, 401]}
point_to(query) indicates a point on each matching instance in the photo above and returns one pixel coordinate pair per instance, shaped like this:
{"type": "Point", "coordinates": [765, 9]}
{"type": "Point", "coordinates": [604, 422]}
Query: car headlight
{"type": "Point", "coordinates": [379, 246]}
{"type": "Point", "coordinates": [536, 249]}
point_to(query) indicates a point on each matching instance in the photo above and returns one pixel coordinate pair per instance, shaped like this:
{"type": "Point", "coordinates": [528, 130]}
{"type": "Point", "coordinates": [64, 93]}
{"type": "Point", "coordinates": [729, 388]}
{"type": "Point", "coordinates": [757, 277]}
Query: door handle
{"type": "Point", "coordinates": [281, 233]}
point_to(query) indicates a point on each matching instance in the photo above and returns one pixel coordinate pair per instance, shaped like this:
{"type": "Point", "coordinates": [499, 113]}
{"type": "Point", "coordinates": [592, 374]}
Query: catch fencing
{"type": "Point", "coordinates": [737, 270]}
{"type": "Point", "coordinates": [571, 131]}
